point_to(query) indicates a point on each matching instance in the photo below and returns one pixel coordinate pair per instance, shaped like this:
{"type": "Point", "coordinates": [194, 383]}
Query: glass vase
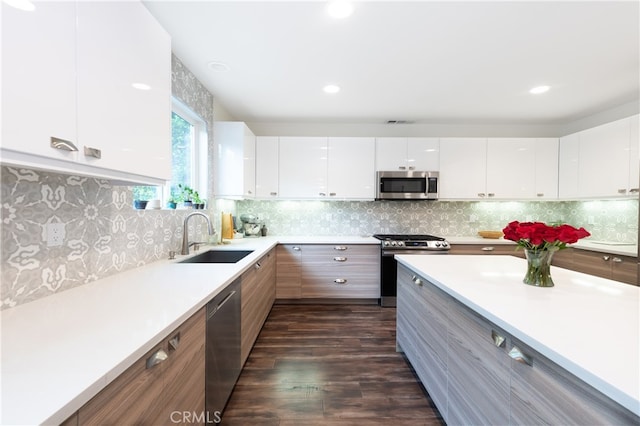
{"type": "Point", "coordinates": [539, 268]}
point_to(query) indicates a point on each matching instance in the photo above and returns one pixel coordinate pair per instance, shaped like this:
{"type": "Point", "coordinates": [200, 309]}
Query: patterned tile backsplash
{"type": "Point", "coordinates": [612, 220]}
{"type": "Point", "coordinates": [104, 235]}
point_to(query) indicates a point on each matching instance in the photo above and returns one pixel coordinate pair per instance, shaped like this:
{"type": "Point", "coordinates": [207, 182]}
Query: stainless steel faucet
{"type": "Point", "coordinates": [185, 230]}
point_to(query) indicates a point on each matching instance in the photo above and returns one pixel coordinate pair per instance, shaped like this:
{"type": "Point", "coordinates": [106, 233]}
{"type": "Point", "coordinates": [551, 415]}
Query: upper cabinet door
{"type": "Point", "coordinates": [351, 174]}
{"type": "Point", "coordinates": [568, 164]}
{"type": "Point", "coordinates": [303, 167]}
{"type": "Point", "coordinates": [39, 79]}
{"type": "Point", "coordinates": [546, 151]}
{"type": "Point", "coordinates": [124, 100]}
{"type": "Point", "coordinates": [235, 155]}
{"type": "Point", "coordinates": [407, 154]}
{"type": "Point", "coordinates": [463, 168]}
{"type": "Point", "coordinates": [604, 160]}
{"type": "Point", "coordinates": [511, 167]}
{"type": "Point", "coordinates": [267, 167]}
{"type": "Point", "coordinates": [634, 157]}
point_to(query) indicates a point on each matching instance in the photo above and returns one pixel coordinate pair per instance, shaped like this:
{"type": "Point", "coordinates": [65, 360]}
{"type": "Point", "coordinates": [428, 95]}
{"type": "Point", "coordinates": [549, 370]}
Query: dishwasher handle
{"type": "Point", "coordinates": [217, 308]}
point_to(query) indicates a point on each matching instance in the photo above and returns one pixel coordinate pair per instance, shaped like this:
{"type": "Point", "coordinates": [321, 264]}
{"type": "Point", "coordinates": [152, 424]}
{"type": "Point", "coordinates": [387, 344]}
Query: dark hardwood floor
{"type": "Point", "coordinates": [328, 365]}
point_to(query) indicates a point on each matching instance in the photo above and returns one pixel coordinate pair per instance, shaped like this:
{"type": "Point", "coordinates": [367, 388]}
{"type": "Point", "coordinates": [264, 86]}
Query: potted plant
{"type": "Point", "coordinates": [142, 195]}
{"type": "Point", "coordinates": [198, 203]}
{"type": "Point", "coordinates": [186, 194]}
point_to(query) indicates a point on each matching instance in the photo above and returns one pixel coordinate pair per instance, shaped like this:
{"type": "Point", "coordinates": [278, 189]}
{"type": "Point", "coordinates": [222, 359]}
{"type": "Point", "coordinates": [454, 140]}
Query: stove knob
{"type": "Point", "coordinates": [385, 243]}
{"type": "Point", "coordinates": [437, 243]}
{"type": "Point", "coordinates": [445, 244]}
{"type": "Point", "coordinates": [393, 243]}
{"type": "Point", "coordinates": [401, 243]}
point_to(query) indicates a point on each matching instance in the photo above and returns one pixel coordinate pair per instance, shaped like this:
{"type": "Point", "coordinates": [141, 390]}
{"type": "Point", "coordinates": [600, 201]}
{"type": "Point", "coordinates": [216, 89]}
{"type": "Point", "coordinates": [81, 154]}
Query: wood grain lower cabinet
{"type": "Point", "coordinates": [478, 379]}
{"type": "Point", "coordinates": [613, 267]}
{"type": "Point", "coordinates": [482, 379]}
{"type": "Point", "coordinates": [288, 271]}
{"type": "Point", "coordinates": [258, 295]}
{"type": "Point", "coordinates": [147, 394]}
{"type": "Point", "coordinates": [544, 393]}
{"type": "Point", "coordinates": [341, 271]}
{"type": "Point", "coordinates": [328, 271]}
{"type": "Point", "coordinates": [421, 330]}
{"type": "Point", "coordinates": [486, 249]}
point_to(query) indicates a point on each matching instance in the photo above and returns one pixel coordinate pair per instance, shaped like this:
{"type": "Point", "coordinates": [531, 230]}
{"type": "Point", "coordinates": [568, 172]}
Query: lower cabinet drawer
{"type": "Point", "coordinates": [340, 286]}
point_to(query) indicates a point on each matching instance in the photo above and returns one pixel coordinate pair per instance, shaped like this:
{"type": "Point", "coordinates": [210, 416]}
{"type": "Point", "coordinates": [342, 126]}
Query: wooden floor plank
{"type": "Point", "coordinates": [329, 365]}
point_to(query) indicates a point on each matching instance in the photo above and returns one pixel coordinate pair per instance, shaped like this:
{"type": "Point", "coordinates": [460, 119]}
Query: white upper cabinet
{"type": "Point", "coordinates": [267, 167]}
{"type": "Point", "coordinates": [546, 152]}
{"type": "Point", "coordinates": [601, 162]}
{"type": "Point", "coordinates": [38, 81]}
{"type": "Point", "coordinates": [463, 168]}
{"type": "Point", "coordinates": [68, 70]}
{"type": "Point", "coordinates": [235, 160]}
{"type": "Point", "coordinates": [120, 45]}
{"type": "Point", "coordinates": [303, 167]}
{"type": "Point", "coordinates": [351, 172]}
{"type": "Point", "coordinates": [511, 166]}
{"type": "Point", "coordinates": [420, 154]}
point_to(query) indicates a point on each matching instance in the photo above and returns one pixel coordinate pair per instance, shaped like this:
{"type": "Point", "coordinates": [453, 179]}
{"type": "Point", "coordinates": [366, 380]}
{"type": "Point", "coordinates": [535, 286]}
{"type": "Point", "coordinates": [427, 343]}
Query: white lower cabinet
{"type": "Point", "coordinates": [478, 374]}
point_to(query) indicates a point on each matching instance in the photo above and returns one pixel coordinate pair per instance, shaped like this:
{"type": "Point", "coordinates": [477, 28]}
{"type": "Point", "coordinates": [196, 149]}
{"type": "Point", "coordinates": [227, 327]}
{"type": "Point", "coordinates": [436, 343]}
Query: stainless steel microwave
{"type": "Point", "coordinates": [407, 185]}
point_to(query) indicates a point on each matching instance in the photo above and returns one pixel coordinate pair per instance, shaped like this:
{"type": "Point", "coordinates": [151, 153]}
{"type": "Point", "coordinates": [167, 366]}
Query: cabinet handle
{"type": "Point", "coordinates": [622, 191]}
{"type": "Point", "coordinates": [341, 248]}
{"type": "Point", "coordinates": [340, 259]}
{"type": "Point", "coordinates": [416, 280]}
{"type": "Point", "coordinates": [634, 190]}
{"type": "Point", "coordinates": [332, 194]}
{"type": "Point", "coordinates": [296, 248]}
{"type": "Point", "coordinates": [62, 144]}
{"type": "Point", "coordinates": [606, 258]}
{"type": "Point", "coordinates": [257, 265]}
{"type": "Point", "coordinates": [92, 152]}
{"type": "Point", "coordinates": [340, 281]}
{"type": "Point", "coordinates": [481, 194]}
{"type": "Point", "coordinates": [158, 356]}
{"type": "Point", "coordinates": [174, 342]}
{"type": "Point", "coordinates": [322, 194]}
{"type": "Point", "coordinates": [540, 194]}
{"type": "Point", "coordinates": [489, 248]}
{"type": "Point", "coordinates": [273, 193]}
{"type": "Point", "coordinates": [616, 260]}
{"type": "Point", "coordinates": [249, 192]}
{"type": "Point", "coordinates": [498, 340]}
{"type": "Point", "coordinates": [521, 357]}
{"type": "Point", "coordinates": [402, 167]}
{"type": "Point", "coordinates": [491, 194]}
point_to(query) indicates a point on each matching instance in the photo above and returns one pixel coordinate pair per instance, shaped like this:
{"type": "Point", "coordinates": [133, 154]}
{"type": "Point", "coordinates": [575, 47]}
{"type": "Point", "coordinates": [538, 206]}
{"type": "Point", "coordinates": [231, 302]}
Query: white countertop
{"type": "Point", "coordinates": [590, 326]}
{"type": "Point", "coordinates": [623, 249]}
{"type": "Point", "coordinates": [60, 351]}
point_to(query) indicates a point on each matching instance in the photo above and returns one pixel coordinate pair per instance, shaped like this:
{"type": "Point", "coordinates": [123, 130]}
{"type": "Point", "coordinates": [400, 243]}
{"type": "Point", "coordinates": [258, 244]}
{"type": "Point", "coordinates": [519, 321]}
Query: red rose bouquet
{"type": "Point", "coordinates": [540, 236]}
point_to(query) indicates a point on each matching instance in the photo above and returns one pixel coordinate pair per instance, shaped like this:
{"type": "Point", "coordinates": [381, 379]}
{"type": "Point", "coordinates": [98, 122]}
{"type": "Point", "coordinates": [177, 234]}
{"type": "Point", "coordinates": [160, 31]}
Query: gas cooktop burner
{"type": "Point", "coordinates": [415, 242]}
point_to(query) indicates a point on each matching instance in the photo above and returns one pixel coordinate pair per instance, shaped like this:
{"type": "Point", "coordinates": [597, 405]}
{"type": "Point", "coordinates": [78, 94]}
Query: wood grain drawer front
{"type": "Point", "coordinates": [331, 250]}
{"type": "Point", "coordinates": [625, 269]}
{"type": "Point", "coordinates": [486, 249]}
{"type": "Point", "coordinates": [544, 393]}
{"type": "Point", "coordinates": [563, 258]}
{"type": "Point", "coordinates": [478, 370]}
{"type": "Point", "coordinates": [147, 395]}
{"type": "Point", "coordinates": [594, 263]}
{"type": "Point", "coordinates": [288, 271]}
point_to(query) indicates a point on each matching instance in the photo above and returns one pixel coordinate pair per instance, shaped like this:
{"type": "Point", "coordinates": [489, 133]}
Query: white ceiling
{"type": "Point", "coordinates": [423, 61]}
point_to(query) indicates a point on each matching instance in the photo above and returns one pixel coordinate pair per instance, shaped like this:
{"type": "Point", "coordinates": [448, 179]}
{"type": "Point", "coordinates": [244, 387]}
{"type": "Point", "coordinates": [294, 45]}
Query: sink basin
{"type": "Point", "coordinates": [219, 256]}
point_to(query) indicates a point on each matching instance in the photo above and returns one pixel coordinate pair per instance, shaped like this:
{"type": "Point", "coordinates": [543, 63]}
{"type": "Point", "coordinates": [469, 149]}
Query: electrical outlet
{"type": "Point", "coordinates": [55, 234]}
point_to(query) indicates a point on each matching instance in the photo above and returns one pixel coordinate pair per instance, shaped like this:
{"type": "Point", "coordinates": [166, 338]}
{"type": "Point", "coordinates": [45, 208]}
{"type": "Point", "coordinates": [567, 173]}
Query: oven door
{"type": "Point", "coordinates": [389, 273]}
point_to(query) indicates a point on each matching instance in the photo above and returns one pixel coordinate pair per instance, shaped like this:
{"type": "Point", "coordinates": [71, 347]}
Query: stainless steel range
{"type": "Point", "coordinates": [393, 244]}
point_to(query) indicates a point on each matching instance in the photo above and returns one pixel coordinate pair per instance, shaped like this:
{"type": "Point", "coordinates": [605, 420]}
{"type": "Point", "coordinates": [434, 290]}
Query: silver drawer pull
{"type": "Point", "coordinates": [416, 280]}
{"type": "Point", "coordinates": [296, 248]}
{"type": "Point", "coordinates": [340, 281]}
{"type": "Point", "coordinates": [340, 248]}
{"type": "Point", "coordinates": [498, 340]}
{"type": "Point", "coordinates": [540, 194]}
{"type": "Point", "coordinates": [257, 265]}
{"type": "Point", "coordinates": [322, 194]}
{"type": "Point", "coordinates": [634, 190]}
{"type": "Point", "coordinates": [488, 248]}
{"type": "Point", "coordinates": [519, 356]}
{"type": "Point", "coordinates": [491, 194]}
{"type": "Point", "coordinates": [332, 194]}
{"type": "Point", "coordinates": [606, 258]}
{"type": "Point", "coordinates": [158, 356]}
{"type": "Point", "coordinates": [340, 259]}
{"type": "Point", "coordinates": [622, 191]}
{"type": "Point", "coordinates": [481, 194]}
{"type": "Point", "coordinates": [402, 167]}
{"type": "Point", "coordinates": [62, 144]}
{"type": "Point", "coordinates": [273, 193]}
{"type": "Point", "coordinates": [616, 260]}
{"type": "Point", "coordinates": [92, 152]}
{"type": "Point", "coordinates": [174, 342]}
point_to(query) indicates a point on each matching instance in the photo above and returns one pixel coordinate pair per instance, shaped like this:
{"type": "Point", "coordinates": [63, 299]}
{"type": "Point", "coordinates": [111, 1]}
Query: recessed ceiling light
{"type": "Point", "coordinates": [25, 5]}
{"type": "Point", "coordinates": [140, 86]}
{"type": "Point", "coordinates": [340, 9]}
{"type": "Point", "coordinates": [218, 66]}
{"type": "Point", "coordinates": [331, 88]}
{"type": "Point", "coordinates": [539, 89]}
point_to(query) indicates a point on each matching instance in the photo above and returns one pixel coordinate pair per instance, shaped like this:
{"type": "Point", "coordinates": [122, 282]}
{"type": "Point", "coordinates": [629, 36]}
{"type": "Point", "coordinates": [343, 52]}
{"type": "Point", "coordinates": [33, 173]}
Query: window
{"type": "Point", "coordinates": [188, 158]}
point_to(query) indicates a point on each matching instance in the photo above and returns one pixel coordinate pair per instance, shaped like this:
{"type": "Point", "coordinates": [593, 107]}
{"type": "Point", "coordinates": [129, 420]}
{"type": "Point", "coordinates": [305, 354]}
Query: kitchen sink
{"type": "Point", "coordinates": [219, 256]}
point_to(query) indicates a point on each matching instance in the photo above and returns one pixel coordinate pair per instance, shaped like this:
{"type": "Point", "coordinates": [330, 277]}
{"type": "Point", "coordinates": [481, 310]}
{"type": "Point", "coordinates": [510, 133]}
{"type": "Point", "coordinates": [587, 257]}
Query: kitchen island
{"type": "Point", "coordinates": [585, 330]}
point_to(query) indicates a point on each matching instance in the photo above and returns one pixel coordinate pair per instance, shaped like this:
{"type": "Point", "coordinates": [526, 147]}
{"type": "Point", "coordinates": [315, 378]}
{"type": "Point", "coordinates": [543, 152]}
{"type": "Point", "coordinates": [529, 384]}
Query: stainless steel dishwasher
{"type": "Point", "coordinates": [222, 348]}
